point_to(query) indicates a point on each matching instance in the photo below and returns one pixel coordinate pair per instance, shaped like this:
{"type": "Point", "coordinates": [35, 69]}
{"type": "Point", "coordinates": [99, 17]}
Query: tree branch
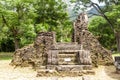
{"type": "Point", "coordinates": [4, 20]}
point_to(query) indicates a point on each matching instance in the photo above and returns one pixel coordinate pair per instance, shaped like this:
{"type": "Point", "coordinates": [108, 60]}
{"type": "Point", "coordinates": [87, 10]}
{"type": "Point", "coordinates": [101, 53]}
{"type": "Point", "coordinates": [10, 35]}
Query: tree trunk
{"type": "Point", "coordinates": [118, 41]}
{"type": "Point", "coordinates": [16, 42]}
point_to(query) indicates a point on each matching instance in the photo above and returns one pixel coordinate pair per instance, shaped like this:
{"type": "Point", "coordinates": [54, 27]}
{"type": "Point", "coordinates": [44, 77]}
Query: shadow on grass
{"type": "Point", "coordinates": [6, 55]}
{"type": "Point", "coordinates": [111, 72]}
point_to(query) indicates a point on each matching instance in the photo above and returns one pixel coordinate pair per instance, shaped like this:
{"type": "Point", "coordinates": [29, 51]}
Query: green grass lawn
{"type": "Point", "coordinates": [115, 54]}
{"type": "Point", "coordinates": [6, 55]}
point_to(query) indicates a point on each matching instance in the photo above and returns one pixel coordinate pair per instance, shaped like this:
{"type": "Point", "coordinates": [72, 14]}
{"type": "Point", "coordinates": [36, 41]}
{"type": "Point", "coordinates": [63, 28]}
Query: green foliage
{"type": "Point", "coordinates": [6, 55]}
{"type": "Point", "coordinates": [51, 16]}
{"type": "Point", "coordinates": [21, 20]}
{"type": "Point", "coordinates": [50, 12]}
{"type": "Point", "coordinates": [42, 27]}
{"type": "Point", "coordinates": [7, 45]}
{"type": "Point", "coordinates": [63, 31]}
{"type": "Point", "coordinates": [100, 28]}
{"type": "Point", "coordinates": [16, 20]}
{"type": "Point", "coordinates": [114, 16]}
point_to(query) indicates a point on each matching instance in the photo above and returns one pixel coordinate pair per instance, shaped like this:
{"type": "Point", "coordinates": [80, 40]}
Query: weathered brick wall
{"type": "Point", "coordinates": [42, 44]}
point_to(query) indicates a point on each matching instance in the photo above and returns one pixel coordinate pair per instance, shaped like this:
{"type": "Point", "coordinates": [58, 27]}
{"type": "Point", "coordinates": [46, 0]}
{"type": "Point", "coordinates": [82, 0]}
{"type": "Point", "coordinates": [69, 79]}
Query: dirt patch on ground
{"type": "Point", "coordinates": [8, 72]}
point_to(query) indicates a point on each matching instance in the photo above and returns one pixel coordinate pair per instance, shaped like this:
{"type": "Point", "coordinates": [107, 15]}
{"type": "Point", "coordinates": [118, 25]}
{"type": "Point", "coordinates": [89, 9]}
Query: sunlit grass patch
{"type": "Point", "coordinates": [116, 54]}
{"type": "Point", "coordinates": [6, 55]}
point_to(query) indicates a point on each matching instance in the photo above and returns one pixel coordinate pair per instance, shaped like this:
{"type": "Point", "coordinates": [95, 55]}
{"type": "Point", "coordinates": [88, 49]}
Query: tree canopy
{"type": "Point", "coordinates": [21, 20]}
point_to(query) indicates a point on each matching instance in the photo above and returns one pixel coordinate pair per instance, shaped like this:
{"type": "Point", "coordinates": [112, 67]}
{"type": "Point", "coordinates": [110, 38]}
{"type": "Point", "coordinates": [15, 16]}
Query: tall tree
{"type": "Point", "coordinates": [115, 20]}
{"type": "Point", "coordinates": [16, 16]}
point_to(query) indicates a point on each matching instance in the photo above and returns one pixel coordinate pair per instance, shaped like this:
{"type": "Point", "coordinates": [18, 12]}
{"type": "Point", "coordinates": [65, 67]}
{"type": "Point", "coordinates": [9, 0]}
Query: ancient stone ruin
{"type": "Point", "coordinates": [81, 54]}
{"type": "Point", "coordinates": [99, 54]}
{"type": "Point", "coordinates": [117, 64]}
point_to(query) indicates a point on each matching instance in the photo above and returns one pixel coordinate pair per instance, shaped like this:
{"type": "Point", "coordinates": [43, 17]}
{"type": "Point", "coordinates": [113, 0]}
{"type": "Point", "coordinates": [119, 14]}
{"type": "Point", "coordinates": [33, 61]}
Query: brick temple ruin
{"type": "Point", "coordinates": [82, 53]}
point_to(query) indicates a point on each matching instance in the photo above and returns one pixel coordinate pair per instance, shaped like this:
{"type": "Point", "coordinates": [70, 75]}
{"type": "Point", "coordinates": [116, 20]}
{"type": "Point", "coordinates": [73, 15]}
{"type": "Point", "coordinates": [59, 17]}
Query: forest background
{"type": "Point", "coordinates": [21, 20]}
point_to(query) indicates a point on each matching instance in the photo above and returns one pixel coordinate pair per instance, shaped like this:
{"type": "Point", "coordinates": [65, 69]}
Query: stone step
{"type": "Point", "coordinates": [64, 73]}
{"type": "Point", "coordinates": [66, 55]}
{"type": "Point", "coordinates": [67, 63]}
{"type": "Point", "coordinates": [70, 67]}
{"type": "Point", "coordinates": [74, 67]}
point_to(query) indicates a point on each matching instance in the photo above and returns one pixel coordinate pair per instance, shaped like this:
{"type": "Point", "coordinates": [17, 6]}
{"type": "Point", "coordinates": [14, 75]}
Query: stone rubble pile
{"type": "Point", "coordinates": [35, 54]}
{"type": "Point", "coordinates": [99, 54]}
{"type": "Point", "coordinates": [24, 57]}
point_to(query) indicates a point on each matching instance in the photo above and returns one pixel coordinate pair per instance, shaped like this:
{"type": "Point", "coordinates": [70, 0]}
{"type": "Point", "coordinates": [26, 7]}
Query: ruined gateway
{"type": "Point", "coordinates": [82, 53]}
